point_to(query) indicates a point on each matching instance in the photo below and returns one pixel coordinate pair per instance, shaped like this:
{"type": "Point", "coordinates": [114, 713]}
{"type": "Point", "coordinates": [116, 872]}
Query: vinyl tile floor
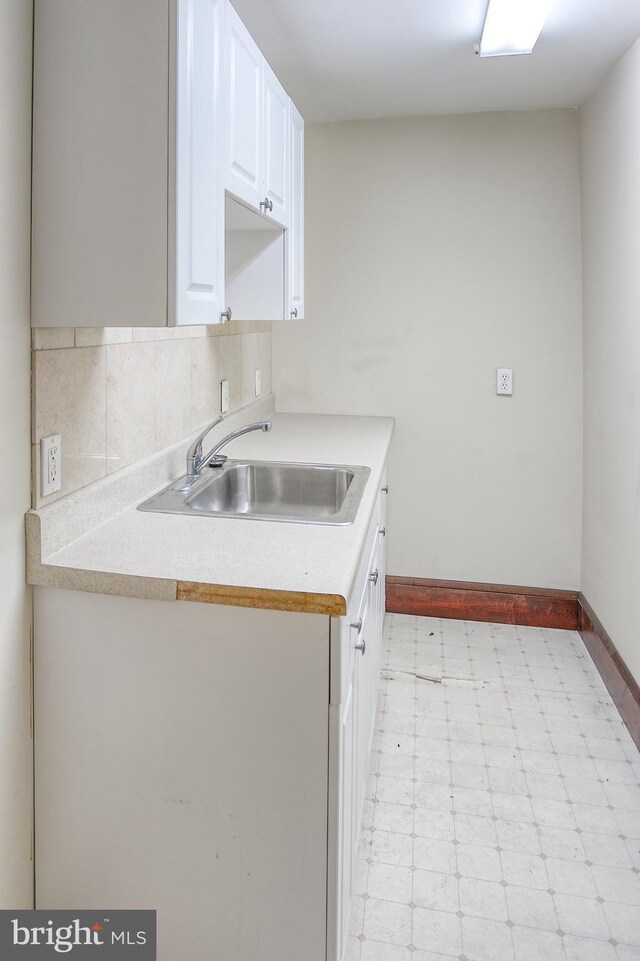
{"type": "Point", "coordinates": [502, 812]}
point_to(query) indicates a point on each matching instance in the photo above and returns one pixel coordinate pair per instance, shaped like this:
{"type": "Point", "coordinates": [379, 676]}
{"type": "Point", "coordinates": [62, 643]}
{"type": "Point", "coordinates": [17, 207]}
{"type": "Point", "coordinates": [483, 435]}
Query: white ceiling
{"type": "Point", "coordinates": [347, 59]}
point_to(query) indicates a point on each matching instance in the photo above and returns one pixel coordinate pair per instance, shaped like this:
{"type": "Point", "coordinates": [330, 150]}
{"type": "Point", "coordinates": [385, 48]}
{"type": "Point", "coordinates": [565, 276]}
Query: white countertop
{"type": "Point", "coordinates": [155, 555]}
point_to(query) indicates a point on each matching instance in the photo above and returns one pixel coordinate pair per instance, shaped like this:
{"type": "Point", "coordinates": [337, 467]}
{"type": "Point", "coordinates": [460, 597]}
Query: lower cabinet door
{"type": "Point", "coordinates": [382, 566]}
{"type": "Point", "coordinates": [376, 616]}
{"type": "Point", "coordinates": [348, 823]}
{"type": "Point", "coordinates": [362, 677]}
{"type": "Point", "coordinates": [361, 656]}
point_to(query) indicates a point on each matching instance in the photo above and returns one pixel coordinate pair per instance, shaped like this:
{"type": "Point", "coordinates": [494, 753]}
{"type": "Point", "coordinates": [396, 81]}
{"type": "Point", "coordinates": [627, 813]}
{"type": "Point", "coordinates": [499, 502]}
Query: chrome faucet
{"type": "Point", "coordinates": [215, 459]}
{"type": "Point", "coordinates": [196, 461]}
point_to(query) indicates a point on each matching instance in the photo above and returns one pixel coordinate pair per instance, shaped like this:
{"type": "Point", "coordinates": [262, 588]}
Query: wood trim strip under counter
{"type": "Point", "coordinates": [332, 604]}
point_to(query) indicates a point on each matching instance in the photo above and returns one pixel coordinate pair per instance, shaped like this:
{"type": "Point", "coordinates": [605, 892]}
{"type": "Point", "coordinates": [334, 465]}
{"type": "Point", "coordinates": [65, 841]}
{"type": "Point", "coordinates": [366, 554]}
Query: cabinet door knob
{"type": "Point", "coordinates": [267, 204]}
{"type": "Point", "coordinates": [373, 577]}
{"type": "Point", "coordinates": [385, 489]}
{"type": "Point", "coordinates": [357, 625]}
{"type": "Point", "coordinates": [361, 646]}
{"type": "Point", "coordinates": [226, 315]}
{"type": "Point", "coordinates": [294, 312]}
{"type": "Point", "coordinates": [383, 531]}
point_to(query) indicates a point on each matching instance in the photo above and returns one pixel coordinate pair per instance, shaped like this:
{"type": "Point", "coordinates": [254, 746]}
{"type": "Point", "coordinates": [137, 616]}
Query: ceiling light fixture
{"type": "Point", "coordinates": [513, 26]}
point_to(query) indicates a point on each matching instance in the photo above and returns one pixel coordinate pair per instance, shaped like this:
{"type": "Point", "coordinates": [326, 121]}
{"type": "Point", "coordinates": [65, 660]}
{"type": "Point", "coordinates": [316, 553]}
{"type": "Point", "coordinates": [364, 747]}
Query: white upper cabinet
{"type": "Point", "coordinates": [244, 111]}
{"type": "Point", "coordinates": [145, 113]}
{"type": "Point", "coordinates": [275, 147]}
{"type": "Point", "coordinates": [199, 247]}
{"type": "Point", "coordinates": [258, 126]}
{"type": "Point", "coordinates": [127, 178]}
{"type": "Point", "coordinates": [295, 238]}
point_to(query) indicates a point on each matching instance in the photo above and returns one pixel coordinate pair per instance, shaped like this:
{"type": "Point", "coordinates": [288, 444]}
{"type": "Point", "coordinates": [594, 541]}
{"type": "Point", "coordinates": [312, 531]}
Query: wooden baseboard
{"type": "Point", "coordinates": [500, 603]}
{"type": "Point", "coordinates": [618, 679]}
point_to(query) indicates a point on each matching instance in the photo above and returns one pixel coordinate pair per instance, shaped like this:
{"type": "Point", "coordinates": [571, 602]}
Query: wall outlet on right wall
{"type": "Point", "coordinates": [504, 380]}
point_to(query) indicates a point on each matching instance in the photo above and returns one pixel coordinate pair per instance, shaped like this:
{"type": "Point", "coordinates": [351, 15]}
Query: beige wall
{"type": "Point", "coordinates": [16, 867]}
{"type": "Point", "coordinates": [117, 394]}
{"type": "Point", "coordinates": [610, 172]}
{"type": "Point", "coordinates": [437, 250]}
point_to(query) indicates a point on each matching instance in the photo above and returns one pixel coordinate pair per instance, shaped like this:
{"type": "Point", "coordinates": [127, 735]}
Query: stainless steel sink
{"type": "Point", "coordinates": [269, 491]}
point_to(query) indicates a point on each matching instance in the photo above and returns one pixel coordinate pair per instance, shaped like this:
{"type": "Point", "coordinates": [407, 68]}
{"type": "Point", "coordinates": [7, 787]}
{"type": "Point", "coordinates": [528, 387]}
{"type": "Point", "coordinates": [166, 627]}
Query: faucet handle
{"type": "Point", "coordinates": [194, 454]}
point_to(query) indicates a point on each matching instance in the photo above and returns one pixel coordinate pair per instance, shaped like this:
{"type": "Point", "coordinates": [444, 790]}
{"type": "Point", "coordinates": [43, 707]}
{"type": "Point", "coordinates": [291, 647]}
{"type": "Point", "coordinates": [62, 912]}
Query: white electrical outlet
{"type": "Point", "coordinates": [50, 465]}
{"type": "Point", "coordinates": [258, 382]}
{"type": "Point", "coordinates": [504, 380]}
{"type": "Point", "coordinates": [224, 396]}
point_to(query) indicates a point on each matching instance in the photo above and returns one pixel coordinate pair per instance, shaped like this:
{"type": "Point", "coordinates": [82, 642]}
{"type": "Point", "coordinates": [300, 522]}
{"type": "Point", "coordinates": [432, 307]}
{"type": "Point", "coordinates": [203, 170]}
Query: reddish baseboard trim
{"type": "Point", "coordinates": [500, 603]}
{"type": "Point", "coordinates": [618, 679]}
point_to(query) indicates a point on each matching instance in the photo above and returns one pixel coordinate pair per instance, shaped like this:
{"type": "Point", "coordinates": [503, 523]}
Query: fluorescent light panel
{"type": "Point", "coordinates": [513, 26]}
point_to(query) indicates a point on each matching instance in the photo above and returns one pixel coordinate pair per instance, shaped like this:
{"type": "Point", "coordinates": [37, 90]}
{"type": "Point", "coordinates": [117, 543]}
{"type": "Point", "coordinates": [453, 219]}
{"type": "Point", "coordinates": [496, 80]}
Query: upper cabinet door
{"type": "Point", "coordinates": [100, 162]}
{"type": "Point", "coordinates": [199, 227]}
{"type": "Point", "coordinates": [244, 111]}
{"type": "Point", "coordinates": [295, 238]}
{"type": "Point", "coordinates": [275, 148]}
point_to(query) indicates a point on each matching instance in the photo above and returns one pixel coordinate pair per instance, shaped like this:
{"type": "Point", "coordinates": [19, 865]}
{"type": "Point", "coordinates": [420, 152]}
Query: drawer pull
{"type": "Point", "coordinates": [361, 646]}
{"type": "Point", "coordinates": [373, 577]}
{"type": "Point", "coordinates": [383, 531]}
{"type": "Point", "coordinates": [385, 489]}
{"type": "Point", "coordinates": [357, 625]}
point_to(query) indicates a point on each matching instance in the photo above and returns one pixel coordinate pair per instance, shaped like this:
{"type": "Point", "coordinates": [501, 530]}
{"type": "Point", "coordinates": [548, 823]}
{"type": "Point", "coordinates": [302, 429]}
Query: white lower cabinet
{"type": "Point", "coordinates": [360, 642]}
{"type": "Point", "coordinates": [207, 762]}
{"type": "Point", "coordinates": [348, 836]}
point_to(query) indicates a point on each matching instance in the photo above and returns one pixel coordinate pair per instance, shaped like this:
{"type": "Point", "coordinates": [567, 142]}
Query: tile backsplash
{"type": "Point", "coordinates": [118, 394]}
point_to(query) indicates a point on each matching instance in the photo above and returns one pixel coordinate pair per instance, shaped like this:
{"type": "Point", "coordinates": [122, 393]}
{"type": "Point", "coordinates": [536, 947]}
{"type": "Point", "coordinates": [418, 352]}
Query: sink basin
{"type": "Point", "coordinates": [271, 491]}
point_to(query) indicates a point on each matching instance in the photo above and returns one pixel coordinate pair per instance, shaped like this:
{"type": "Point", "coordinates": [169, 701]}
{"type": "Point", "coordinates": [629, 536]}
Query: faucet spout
{"type": "Point", "coordinates": [215, 459]}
